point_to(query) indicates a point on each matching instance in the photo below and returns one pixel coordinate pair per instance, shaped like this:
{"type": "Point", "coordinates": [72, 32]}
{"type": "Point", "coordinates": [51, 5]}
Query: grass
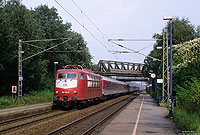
{"type": "Point", "coordinates": [186, 121]}
{"type": "Point", "coordinates": [32, 97]}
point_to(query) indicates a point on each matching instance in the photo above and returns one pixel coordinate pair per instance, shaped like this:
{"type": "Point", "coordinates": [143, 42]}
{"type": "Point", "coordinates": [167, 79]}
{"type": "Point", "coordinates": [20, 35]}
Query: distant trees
{"type": "Point", "coordinates": [17, 22]}
{"type": "Point", "coordinates": [182, 30]}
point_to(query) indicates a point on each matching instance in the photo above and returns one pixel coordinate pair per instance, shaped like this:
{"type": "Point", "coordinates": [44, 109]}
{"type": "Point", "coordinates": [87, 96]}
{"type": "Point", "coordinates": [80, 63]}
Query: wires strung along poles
{"type": "Point", "coordinates": [134, 51]}
{"type": "Point", "coordinates": [82, 24]}
{"type": "Point", "coordinates": [20, 60]}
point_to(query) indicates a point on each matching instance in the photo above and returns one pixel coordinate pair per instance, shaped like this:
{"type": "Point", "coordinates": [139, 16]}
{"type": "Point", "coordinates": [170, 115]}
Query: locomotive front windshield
{"type": "Point", "coordinates": [67, 76]}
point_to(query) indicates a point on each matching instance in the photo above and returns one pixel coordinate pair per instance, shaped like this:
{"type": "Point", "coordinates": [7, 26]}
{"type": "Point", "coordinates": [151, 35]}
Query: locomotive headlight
{"type": "Point", "coordinates": [74, 92]}
{"type": "Point", "coordinates": [56, 92]}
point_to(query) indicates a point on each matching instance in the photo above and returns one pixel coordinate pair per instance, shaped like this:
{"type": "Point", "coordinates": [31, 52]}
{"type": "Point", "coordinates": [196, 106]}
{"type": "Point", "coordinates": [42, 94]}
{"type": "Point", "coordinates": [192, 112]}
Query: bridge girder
{"type": "Point", "coordinates": [117, 68]}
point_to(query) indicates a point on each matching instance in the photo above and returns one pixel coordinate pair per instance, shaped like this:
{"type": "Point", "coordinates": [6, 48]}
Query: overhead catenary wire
{"type": "Point", "coordinates": [115, 52]}
{"type": "Point", "coordinates": [33, 45]}
{"type": "Point", "coordinates": [81, 24]}
{"type": "Point", "coordinates": [148, 40]}
{"type": "Point", "coordinates": [27, 43]}
{"type": "Point", "coordinates": [44, 40]}
{"type": "Point", "coordinates": [46, 49]}
{"type": "Point", "coordinates": [145, 47]}
{"type": "Point", "coordinates": [82, 12]}
{"type": "Point", "coordinates": [98, 29]}
{"type": "Point", "coordinates": [111, 40]}
{"type": "Point", "coordinates": [130, 52]}
{"type": "Point", "coordinates": [134, 50]}
{"type": "Point", "coordinates": [89, 19]}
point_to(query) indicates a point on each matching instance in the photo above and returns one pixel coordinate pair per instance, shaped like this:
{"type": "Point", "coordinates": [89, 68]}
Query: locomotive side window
{"type": "Point", "coordinates": [81, 76]}
{"type": "Point", "coordinates": [67, 76]}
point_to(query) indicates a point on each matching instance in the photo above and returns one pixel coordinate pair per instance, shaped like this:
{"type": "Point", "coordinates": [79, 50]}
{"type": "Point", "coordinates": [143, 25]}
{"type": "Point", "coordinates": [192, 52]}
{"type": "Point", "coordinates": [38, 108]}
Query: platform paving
{"type": "Point", "coordinates": [141, 117]}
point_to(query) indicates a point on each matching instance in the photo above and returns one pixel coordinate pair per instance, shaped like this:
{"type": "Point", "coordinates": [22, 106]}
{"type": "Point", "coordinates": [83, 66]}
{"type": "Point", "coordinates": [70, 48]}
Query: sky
{"type": "Point", "coordinates": [120, 19]}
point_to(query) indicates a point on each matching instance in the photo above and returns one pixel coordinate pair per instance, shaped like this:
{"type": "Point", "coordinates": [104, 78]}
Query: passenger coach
{"type": "Point", "coordinates": [111, 86]}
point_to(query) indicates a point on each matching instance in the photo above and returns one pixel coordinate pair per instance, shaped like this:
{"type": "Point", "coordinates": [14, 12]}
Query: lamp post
{"type": "Point", "coordinates": [170, 18]}
{"type": "Point", "coordinates": [55, 68]}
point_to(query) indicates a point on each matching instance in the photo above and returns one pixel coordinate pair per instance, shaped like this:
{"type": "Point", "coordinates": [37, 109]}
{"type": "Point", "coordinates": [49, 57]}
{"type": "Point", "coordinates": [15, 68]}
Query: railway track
{"type": "Point", "coordinates": [14, 124]}
{"type": "Point", "coordinates": [6, 122]}
{"type": "Point", "coordinates": [89, 123]}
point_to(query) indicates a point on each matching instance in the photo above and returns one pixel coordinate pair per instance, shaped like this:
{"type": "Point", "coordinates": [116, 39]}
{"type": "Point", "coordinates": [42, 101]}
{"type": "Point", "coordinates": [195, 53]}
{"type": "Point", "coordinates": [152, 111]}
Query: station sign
{"type": "Point", "coordinates": [159, 80]}
{"type": "Point", "coordinates": [14, 89]}
{"type": "Point", "coordinates": [20, 78]}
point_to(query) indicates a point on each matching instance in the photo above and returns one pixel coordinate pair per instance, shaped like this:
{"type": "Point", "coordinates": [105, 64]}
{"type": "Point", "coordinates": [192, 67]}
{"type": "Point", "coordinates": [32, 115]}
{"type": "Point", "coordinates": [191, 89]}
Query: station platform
{"type": "Point", "coordinates": [11, 113]}
{"type": "Point", "coordinates": [141, 117]}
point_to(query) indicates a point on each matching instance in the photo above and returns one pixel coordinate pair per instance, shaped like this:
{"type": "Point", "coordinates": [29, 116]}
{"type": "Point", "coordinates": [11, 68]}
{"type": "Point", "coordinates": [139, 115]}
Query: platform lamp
{"type": "Point", "coordinates": [170, 18]}
{"type": "Point", "coordinates": [55, 68]}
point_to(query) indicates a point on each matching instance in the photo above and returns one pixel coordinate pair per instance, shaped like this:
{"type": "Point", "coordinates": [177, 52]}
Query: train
{"type": "Point", "coordinates": [75, 86]}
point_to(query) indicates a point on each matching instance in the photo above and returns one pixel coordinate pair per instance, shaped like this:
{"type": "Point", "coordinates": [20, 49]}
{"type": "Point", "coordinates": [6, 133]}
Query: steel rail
{"type": "Point", "coordinates": [92, 129]}
{"type": "Point", "coordinates": [21, 118]}
{"type": "Point", "coordinates": [29, 123]}
{"type": "Point", "coordinates": [74, 123]}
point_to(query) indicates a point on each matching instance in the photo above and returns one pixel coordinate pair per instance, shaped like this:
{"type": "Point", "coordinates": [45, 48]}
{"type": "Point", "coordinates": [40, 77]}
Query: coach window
{"type": "Point", "coordinates": [81, 76]}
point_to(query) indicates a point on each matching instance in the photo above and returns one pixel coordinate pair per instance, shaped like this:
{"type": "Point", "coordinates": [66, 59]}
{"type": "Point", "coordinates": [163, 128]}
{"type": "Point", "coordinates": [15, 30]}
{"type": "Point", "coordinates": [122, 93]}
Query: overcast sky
{"type": "Point", "coordinates": [127, 19]}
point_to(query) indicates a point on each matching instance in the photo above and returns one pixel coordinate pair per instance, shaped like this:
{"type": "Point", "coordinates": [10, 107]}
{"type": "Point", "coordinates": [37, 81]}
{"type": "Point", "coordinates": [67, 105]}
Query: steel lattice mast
{"type": "Point", "coordinates": [165, 86]}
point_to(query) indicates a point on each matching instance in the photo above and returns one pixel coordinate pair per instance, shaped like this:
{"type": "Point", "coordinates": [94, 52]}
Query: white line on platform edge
{"type": "Point", "coordinates": [138, 117]}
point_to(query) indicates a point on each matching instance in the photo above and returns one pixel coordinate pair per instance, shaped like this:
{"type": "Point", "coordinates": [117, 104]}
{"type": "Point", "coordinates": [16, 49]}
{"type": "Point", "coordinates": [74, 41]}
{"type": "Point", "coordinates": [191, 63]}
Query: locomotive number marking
{"type": "Point", "coordinates": [64, 84]}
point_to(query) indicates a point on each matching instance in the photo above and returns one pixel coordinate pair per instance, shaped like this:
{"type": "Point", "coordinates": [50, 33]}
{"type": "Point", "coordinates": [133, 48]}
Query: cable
{"type": "Point", "coordinates": [131, 52]}
{"type": "Point", "coordinates": [82, 12]}
{"type": "Point", "coordinates": [46, 50]}
{"type": "Point", "coordinates": [145, 47]}
{"type": "Point", "coordinates": [44, 40]}
{"type": "Point", "coordinates": [89, 19]}
{"type": "Point", "coordinates": [33, 45]}
{"type": "Point", "coordinates": [134, 51]}
{"type": "Point", "coordinates": [134, 39]}
{"type": "Point", "coordinates": [98, 29]}
{"type": "Point", "coordinates": [81, 24]}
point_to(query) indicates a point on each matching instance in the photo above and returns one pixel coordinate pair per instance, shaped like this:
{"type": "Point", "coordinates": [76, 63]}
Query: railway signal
{"type": "Point", "coordinates": [14, 89]}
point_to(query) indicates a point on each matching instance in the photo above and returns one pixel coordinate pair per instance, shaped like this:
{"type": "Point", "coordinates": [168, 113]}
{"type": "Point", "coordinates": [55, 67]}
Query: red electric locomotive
{"type": "Point", "coordinates": [74, 84]}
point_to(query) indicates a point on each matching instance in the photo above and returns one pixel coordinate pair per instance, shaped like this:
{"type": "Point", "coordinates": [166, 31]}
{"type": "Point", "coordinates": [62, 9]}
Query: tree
{"type": "Point", "coordinates": [17, 22]}
{"type": "Point", "coordinates": [182, 30]}
{"type": "Point", "coordinates": [50, 26]}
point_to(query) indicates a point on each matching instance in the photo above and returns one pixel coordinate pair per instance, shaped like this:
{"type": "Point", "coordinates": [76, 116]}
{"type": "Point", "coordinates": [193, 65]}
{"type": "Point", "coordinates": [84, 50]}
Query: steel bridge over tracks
{"type": "Point", "coordinates": [124, 71]}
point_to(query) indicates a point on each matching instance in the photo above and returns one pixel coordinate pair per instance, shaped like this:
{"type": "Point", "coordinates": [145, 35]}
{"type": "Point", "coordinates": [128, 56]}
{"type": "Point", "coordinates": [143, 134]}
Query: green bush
{"type": "Point", "coordinates": [33, 97]}
{"type": "Point", "coordinates": [188, 95]}
{"type": "Point", "coordinates": [185, 121]}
